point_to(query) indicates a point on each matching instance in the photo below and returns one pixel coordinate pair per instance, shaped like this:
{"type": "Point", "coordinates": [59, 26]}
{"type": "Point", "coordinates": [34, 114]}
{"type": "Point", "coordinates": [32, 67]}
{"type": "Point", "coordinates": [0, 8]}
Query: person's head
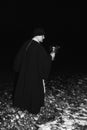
{"type": "Point", "coordinates": [40, 38]}
{"type": "Point", "coordinates": [39, 34]}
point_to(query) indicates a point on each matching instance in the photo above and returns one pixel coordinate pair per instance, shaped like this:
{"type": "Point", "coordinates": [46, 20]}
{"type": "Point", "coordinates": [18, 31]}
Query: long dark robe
{"type": "Point", "coordinates": [33, 65]}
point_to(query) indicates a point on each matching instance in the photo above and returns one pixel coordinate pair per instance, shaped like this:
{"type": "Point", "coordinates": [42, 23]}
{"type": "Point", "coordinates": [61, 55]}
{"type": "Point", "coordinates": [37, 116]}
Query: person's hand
{"type": "Point", "coordinates": [52, 55]}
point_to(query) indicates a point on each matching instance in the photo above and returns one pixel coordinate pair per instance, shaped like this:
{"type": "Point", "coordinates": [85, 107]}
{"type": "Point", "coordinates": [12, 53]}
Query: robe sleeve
{"type": "Point", "coordinates": [44, 63]}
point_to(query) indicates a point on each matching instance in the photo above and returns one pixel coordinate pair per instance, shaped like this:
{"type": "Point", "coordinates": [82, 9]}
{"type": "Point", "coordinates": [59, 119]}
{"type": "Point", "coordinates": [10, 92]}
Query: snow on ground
{"type": "Point", "coordinates": [65, 108]}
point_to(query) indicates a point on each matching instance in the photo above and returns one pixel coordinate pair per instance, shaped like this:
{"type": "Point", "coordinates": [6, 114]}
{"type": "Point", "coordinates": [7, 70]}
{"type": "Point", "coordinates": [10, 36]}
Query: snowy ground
{"type": "Point", "coordinates": [65, 107]}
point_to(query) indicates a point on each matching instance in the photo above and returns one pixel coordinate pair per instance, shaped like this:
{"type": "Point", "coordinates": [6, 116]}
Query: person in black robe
{"type": "Point", "coordinates": [33, 64]}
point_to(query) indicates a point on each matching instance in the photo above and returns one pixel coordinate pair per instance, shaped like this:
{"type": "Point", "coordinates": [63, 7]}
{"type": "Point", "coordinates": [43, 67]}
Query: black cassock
{"type": "Point", "coordinates": [33, 65]}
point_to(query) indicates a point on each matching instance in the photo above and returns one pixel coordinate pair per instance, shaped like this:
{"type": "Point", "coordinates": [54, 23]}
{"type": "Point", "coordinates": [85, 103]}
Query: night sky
{"type": "Point", "coordinates": [62, 25]}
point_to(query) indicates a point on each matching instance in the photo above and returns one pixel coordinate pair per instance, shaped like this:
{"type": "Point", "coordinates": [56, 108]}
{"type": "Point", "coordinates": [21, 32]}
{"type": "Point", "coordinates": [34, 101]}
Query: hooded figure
{"type": "Point", "coordinates": [33, 64]}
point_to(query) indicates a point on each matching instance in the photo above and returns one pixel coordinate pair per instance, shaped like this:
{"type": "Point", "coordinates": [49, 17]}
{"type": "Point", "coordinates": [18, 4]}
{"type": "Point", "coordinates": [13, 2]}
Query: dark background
{"type": "Point", "coordinates": [61, 24]}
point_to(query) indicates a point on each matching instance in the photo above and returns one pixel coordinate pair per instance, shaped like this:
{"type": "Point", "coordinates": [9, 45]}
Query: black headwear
{"type": "Point", "coordinates": [38, 32]}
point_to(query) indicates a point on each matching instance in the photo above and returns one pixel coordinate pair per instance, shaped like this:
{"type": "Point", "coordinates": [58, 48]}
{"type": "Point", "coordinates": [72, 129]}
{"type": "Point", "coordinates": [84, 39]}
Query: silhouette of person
{"type": "Point", "coordinates": [33, 64]}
